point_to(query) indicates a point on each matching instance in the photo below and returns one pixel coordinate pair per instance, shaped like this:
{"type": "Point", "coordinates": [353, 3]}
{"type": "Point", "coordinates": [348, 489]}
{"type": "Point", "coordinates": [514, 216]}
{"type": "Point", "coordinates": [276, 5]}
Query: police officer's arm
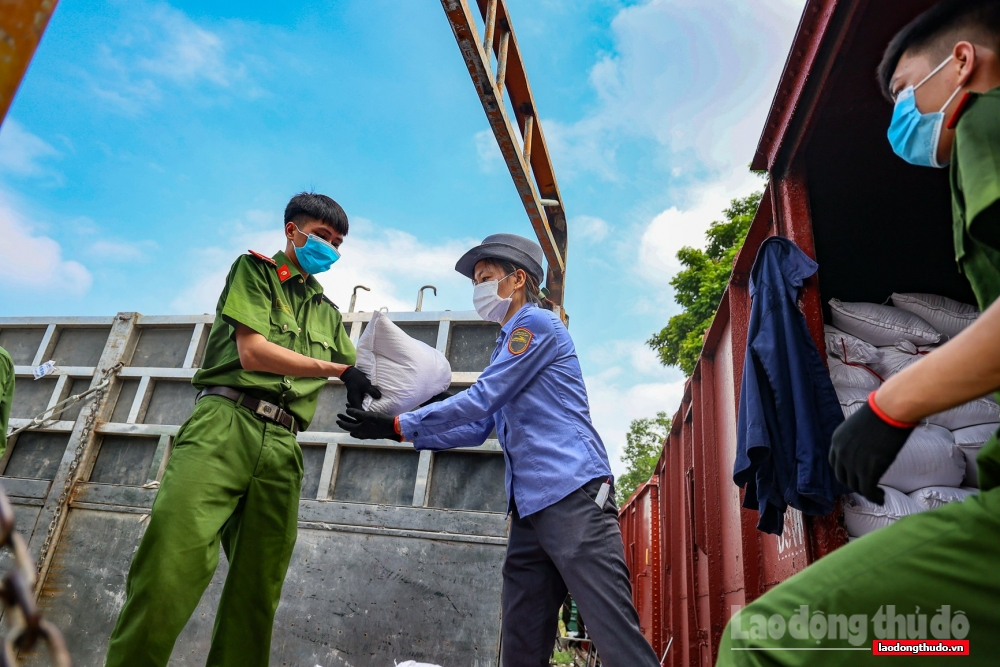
{"type": "Point", "coordinates": [506, 376]}
{"type": "Point", "coordinates": [965, 368]}
{"type": "Point", "coordinates": [246, 307]}
{"type": "Point", "coordinates": [258, 354]}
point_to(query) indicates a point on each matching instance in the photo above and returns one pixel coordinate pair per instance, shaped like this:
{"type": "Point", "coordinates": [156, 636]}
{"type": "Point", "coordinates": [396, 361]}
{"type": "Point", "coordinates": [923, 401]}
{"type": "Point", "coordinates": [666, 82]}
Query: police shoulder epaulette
{"type": "Point", "coordinates": [262, 257]}
{"type": "Point", "coordinates": [327, 299]}
{"type": "Point", "coordinates": [963, 106]}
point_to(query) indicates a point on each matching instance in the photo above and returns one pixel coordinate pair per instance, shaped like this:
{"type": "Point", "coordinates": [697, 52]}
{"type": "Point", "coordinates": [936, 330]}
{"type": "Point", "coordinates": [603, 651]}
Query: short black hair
{"type": "Point", "coordinates": [969, 20]}
{"type": "Point", "coordinates": [311, 206]}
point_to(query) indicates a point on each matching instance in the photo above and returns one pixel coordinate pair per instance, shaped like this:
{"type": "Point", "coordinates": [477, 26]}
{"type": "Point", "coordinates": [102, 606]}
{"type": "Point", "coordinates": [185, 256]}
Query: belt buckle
{"type": "Point", "coordinates": [267, 410]}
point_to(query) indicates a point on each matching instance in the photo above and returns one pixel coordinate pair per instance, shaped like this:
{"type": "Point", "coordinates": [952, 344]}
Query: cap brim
{"type": "Point", "coordinates": [466, 265]}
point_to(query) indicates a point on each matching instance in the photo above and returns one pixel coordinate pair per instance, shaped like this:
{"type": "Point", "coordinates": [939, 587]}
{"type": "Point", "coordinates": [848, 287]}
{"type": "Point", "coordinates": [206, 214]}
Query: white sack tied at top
{"type": "Point", "coordinates": [406, 371]}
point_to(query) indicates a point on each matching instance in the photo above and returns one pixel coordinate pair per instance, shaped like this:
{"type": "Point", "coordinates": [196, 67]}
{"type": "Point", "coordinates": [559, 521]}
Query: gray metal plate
{"type": "Point", "coordinates": [31, 396]}
{"type": "Point", "coordinates": [124, 402]}
{"type": "Point", "coordinates": [380, 476]}
{"type": "Point", "coordinates": [77, 386]}
{"type": "Point", "coordinates": [171, 402]}
{"type": "Point", "coordinates": [312, 460]}
{"type": "Point", "coordinates": [22, 344]}
{"type": "Point", "coordinates": [350, 598]}
{"type": "Point", "coordinates": [164, 347]}
{"type": "Point", "coordinates": [124, 459]}
{"type": "Point", "coordinates": [471, 346]}
{"type": "Point", "coordinates": [36, 455]}
{"type": "Point", "coordinates": [80, 347]}
{"type": "Point", "coordinates": [332, 399]}
{"type": "Point", "coordinates": [468, 481]}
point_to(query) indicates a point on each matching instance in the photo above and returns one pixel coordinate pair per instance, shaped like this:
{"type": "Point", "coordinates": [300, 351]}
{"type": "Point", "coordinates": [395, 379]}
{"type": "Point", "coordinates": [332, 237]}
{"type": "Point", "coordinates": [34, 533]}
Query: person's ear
{"type": "Point", "coordinates": [290, 231]}
{"type": "Point", "coordinates": [965, 57]}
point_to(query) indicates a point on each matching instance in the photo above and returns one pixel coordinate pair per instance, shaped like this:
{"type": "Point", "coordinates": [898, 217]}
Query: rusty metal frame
{"type": "Point", "coordinates": [525, 152]}
{"type": "Point", "coordinates": [21, 26]}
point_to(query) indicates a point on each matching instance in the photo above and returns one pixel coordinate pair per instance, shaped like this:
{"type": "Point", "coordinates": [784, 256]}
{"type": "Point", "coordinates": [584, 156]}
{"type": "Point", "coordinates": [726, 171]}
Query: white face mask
{"type": "Point", "coordinates": [487, 300]}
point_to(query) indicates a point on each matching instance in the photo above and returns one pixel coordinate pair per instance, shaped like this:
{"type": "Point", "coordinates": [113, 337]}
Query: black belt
{"type": "Point", "coordinates": [268, 411]}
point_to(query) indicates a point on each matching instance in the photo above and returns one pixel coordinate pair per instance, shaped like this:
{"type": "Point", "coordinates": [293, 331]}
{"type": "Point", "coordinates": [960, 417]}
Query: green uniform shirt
{"type": "Point", "coordinates": [273, 299]}
{"type": "Point", "coordinates": [6, 394]}
{"type": "Point", "coordinates": [975, 194]}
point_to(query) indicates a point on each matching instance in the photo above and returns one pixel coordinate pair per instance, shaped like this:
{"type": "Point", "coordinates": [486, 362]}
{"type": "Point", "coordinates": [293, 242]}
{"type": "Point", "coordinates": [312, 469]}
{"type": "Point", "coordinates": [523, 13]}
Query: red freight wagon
{"type": "Point", "coordinates": [875, 225]}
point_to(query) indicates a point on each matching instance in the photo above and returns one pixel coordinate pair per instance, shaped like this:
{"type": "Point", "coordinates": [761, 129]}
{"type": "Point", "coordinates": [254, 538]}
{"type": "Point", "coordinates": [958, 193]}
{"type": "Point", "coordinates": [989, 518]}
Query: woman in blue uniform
{"type": "Point", "coordinates": [534, 395]}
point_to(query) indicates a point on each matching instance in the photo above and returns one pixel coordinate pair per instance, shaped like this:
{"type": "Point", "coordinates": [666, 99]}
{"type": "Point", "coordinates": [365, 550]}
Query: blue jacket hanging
{"type": "Point", "coordinates": [788, 406]}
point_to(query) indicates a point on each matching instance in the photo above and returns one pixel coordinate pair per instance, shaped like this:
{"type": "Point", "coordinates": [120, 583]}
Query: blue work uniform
{"type": "Point", "coordinates": [560, 538]}
{"type": "Point", "coordinates": [533, 394]}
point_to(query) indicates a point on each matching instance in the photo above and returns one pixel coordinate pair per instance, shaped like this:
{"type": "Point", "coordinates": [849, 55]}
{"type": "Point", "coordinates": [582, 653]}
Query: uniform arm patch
{"type": "Point", "coordinates": [519, 341]}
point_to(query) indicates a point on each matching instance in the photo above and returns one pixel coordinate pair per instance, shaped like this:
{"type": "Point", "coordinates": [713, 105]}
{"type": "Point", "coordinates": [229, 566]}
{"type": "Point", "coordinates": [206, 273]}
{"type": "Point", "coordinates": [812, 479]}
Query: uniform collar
{"type": "Point", "coordinates": [288, 272]}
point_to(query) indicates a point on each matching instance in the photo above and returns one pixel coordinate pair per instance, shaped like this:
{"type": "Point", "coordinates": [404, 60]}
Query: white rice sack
{"type": "Point", "coordinates": [933, 497]}
{"type": "Point", "coordinates": [969, 441]}
{"type": "Point", "coordinates": [849, 348]}
{"type": "Point", "coordinates": [861, 516]}
{"type": "Point", "coordinates": [980, 411]}
{"type": "Point", "coordinates": [896, 358]}
{"type": "Point", "coordinates": [406, 371]}
{"type": "Point", "coordinates": [851, 399]}
{"type": "Point", "coordinates": [856, 376]}
{"type": "Point", "coordinates": [929, 458]}
{"type": "Point", "coordinates": [946, 315]}
{"type": "Point", "coordinates": [882, 325]}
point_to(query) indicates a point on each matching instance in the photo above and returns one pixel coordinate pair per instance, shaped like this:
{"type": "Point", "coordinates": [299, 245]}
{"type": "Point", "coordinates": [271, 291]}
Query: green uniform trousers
{"type": "Point", "coordinates": [938, 570]}
{"type": "Point", "coordinates": [232, 478]}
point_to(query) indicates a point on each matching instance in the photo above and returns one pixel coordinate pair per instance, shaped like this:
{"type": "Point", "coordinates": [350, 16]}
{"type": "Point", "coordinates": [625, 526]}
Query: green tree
{"type": "Point", "coordinates": [642, 450]}
{"type": "Point", "coordinates": [699, 285]}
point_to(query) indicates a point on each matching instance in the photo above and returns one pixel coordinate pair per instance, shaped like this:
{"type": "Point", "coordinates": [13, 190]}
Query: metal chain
{"type": "Point", "coordinates": [88, 428]}
{"type": "Point", "coordinates": [59, 408]}
{"type": "Point", "coordinates": [26, 626]}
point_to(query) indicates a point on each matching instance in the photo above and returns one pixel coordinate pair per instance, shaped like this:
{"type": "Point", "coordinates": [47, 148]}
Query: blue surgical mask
{"type": "Point", "coordinates": [914, 136]}
{"type": "Point", "coordinates": [315, 255]}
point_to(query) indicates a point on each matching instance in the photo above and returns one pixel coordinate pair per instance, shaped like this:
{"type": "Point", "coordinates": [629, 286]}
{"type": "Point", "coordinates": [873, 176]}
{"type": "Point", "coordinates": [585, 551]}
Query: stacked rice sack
{"type": "Point", "coordinates": [869, 343]}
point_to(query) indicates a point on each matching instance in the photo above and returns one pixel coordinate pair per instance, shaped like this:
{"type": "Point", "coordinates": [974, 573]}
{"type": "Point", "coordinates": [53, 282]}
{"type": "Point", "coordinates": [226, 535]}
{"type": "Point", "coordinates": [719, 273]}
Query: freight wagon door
{"type": "Point", "coordinates": [398, 554]}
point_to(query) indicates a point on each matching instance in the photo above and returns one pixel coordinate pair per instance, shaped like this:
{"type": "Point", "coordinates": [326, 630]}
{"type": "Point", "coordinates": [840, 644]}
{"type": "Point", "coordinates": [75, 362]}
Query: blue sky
{"type": "Point", "coordinates": [151, 143]}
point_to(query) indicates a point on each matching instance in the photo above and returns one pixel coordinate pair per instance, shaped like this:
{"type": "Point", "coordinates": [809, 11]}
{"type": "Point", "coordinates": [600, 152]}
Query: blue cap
{"type": "Point", "coordinates": [523, 252]}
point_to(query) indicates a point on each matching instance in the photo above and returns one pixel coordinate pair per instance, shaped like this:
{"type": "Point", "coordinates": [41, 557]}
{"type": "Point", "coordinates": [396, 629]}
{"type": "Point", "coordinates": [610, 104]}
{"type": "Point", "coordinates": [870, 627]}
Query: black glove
{"type": "Point", "coordinates": [863, 448]}
{"type": "Point", "coordinates": [368, 425]}
{"type": "Point", "coordinates": [444, 395]}
{"type": "Point", "coordinates": [358, 385]}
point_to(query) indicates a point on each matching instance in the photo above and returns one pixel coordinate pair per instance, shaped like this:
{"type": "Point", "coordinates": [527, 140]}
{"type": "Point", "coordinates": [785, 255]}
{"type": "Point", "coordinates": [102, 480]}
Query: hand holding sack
{"type": "Point", "coordinates": [368, 425]}
{"type": "Point", "coordinates": [864, 447]}
{"type": "Point", "coordinates": [358, 386]}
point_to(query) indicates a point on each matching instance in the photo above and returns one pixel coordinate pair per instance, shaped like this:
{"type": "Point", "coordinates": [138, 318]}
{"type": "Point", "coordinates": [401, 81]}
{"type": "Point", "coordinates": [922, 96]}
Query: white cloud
{"type": "Point", "coordinates": [490, 157]}
{"type": "Point", "coordinates": [22, 153]}
{"type": "Point", "coordinates": [588, 228]}
{"type": "Point", "coordinates": [696, 76]}
{"type": "Point", "coordinates": [35, 262]}
{"type": "Point", "coordinates": [158, 45]}
{"type": "Point", "coordinates": [185, 51]}
{"type": "Point", "coordinates": [675, 227]}
{"type": "Point", "coordinates": [637, 387]}
{"type": "Point", "coordinates": [392, 263]}
{"type": "Point", "coordinates": [121, 251]}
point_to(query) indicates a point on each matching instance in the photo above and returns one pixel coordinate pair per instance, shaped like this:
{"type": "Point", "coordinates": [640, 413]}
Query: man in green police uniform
{"type": "Point", "coordinates": [235, 470]}
{"type": "Point", "coordinates": [6, 394]}
{"type": "Point", "coordinates": [932, 575]}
